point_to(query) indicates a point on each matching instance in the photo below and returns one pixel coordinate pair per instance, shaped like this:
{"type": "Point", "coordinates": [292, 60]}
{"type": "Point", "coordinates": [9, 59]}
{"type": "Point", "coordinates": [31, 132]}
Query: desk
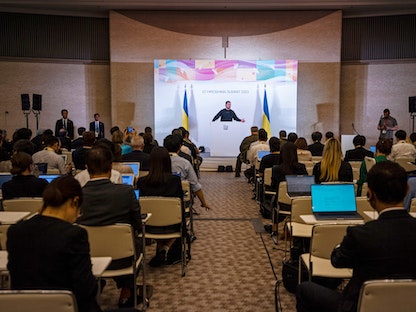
{"type": "Point", "coordinates": [310, 219]}
{"type": "Point", "coordinates": [12, 217]}
{"type": "Point", "coordinates": [99, 264]}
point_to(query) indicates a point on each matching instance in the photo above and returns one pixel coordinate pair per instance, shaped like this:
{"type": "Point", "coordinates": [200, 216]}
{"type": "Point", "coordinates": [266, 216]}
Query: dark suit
{"type": "Point", "coordinates": [316, 148]}
{"type": "Point", "coordinates": [24, 186]}
{"type": "Point", "coordinates": [380, 249]}
{"type": "Point", "coordinates": [138, 156]}
{"type": "Point", "coordinates": [106, 203]}
{"type": "Point", "coordinates": [384, 248]}
{"type": "Point", "coordinates": [357, 154]}
{"type": "Point", "coordinates": [58, 255]}
{"type": "Point", "coordinates": [69, 128]}
{"type": "Point", "coordinates": [100, 127]}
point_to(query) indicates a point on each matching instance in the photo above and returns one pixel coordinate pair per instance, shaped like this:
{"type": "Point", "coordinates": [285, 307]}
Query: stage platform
{"type": "Point", "coordinates": [211, 163]}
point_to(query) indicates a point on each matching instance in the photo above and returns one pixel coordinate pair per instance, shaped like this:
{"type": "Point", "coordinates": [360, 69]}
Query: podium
{"type": "Point", "coordinates": [226, 137]}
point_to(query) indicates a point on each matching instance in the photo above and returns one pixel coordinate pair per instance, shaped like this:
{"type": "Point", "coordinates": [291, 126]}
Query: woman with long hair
{"type": "Point", "coordinates": [303, 153]}
{"type": "Point", "coordinates": [289, 165]}
{"type": "Point", "coordinates": [161, 182]}
{"type": "Point", "coordinates": [332, 168]}
{"type": "Point", "coordinates": [58, 250]}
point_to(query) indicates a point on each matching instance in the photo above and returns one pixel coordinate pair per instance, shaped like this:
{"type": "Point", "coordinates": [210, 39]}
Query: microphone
{"type": "Point", "coordinates": [352, 124]}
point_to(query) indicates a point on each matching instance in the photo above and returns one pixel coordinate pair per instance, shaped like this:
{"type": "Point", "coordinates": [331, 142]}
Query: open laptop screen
{"type": "Point", "coordinates": [333, 198]}
{"type": "Point", "coordinates": [4, 178]}
{"type": "Point", "coordinates": [299, 184]}
{"type": "Point", "coordinates": [49, 177]}
{"type": "Point", "coordinates": [127, 178]}
{"type": "Point", "coordinates": [135, 166]}
{"type": "Point", "coordinates": [261, 154]}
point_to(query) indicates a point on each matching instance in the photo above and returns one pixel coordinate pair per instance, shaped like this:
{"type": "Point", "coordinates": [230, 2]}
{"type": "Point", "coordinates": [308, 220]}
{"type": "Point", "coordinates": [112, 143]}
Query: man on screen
{"type": "Point", "coordinates": [227, 114]}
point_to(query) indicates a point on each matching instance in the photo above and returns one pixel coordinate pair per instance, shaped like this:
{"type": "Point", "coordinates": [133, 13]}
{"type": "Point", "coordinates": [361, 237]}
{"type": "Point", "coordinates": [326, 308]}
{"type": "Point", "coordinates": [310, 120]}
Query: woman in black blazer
{"type": "Point", "coordinates": [48, 252]}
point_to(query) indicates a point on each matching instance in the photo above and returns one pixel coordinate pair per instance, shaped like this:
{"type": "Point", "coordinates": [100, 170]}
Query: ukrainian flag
{"type": "Point", "coordinates": [185, 112]}
{"type": "Point", "coordinates": [266, 116]}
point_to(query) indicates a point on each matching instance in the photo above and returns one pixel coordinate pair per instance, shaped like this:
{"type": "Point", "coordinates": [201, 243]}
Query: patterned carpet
{"type": "Point", "coordinates": [233, 268]}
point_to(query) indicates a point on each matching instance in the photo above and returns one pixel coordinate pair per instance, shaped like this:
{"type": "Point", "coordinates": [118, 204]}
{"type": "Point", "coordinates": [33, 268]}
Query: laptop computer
{"type": "Point", "coordinates": [135, 166]}
{"type": "Point", "coordinates": [261, 154]}
{"type": "Point", "coordinates": [334, 201]}
{"type": "Point", "coordinates": [49, 177]}
{"type": "Point", "coordinates": [299, 185]}
{"type": "Point", "coordinates": [4, 177]}
{"type": "Point", "coordinates": [127, 178]}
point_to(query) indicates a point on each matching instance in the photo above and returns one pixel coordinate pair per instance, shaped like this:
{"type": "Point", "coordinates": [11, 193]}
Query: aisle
{"type": "Point", "coordinates": [230, 268]}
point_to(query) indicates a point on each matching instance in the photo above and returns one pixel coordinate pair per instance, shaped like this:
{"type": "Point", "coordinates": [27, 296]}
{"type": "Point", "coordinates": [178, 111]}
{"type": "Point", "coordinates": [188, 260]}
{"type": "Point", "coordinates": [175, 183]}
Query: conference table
{"type": "Point", "coordinates": [374, 214]}
{"type": "Point", "coordinates": [12, 217]}
{"type": "Point", "coordinates": [99, 264]}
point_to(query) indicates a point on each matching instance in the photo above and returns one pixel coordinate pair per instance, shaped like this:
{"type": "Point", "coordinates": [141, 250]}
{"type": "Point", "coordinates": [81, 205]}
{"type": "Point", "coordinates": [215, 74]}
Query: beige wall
{"type": "Point", "coordinates": [361, 90]}
{"type": "Point", "coordinates": [366, 90]}
{"type": "Point", "coordinates": [313, 39]}
{"type": "Point", "coordinates": [82, 89]}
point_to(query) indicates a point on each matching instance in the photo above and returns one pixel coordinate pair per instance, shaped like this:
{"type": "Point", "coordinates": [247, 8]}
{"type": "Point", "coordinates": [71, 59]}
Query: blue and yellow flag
{"type": "Point", "coordinates": [266, 116]}
{"type": "Point", "coordinates": [185, 112]}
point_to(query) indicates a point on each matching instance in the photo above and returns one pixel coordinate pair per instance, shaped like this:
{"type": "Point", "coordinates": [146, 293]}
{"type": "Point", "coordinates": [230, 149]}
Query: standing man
{"type": "Point", "coordinates": [227, 114]}
{"type": "Point", "coordinates": [97, 126]}
{"type": "Point", "coordinates": [387, 125]}
{"type": "Point", "coordinates": [244, 146]}
{"type": "Point", "coordinates": [380, 249]}
{"type": "Point", "coordinates": [65, 123]}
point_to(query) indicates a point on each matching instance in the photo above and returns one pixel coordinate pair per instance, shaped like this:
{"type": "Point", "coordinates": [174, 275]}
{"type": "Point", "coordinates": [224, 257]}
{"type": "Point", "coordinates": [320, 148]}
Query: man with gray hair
{"type": "Point", "coordinates": [137, 155]}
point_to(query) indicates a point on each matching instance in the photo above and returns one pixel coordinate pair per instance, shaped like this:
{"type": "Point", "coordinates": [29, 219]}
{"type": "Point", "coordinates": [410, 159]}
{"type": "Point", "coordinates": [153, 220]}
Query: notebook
{"type": "Point", "coordinates": [49, 177]}
{"type": "Point", "coordinates": [127, 178]}
{"type": "Point", "coordinates": [135, 166]}
{"type": "Point", "coordinates": [299, 185]}
{"type": "Point", "coordinates": [4, 177]}
{"type": "Point", "coordinates": [334, 201]}
{"type": "Point", "coordinates": [261, 154]}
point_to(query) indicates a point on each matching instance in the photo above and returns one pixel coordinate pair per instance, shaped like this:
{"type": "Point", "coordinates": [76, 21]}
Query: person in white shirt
{"type": "Point", "coordinates": [402, 149]}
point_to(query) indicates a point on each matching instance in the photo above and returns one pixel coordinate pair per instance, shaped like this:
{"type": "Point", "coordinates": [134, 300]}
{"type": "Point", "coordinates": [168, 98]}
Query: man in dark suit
{"type": "Point", "coordinates": [316, 148]}
{"type": "Point", "coordinates": [106, 203]}
{"type": "Point", "coordinates": [137, 155]}
{"type": "Point", "coordinates": [65, 123]}
{"type": "Point", "coordinates": [97, 126]}
{"type": "Point", "coordinates": [381, 249]}
{"type": "Point", "coordinates": [359, 152]}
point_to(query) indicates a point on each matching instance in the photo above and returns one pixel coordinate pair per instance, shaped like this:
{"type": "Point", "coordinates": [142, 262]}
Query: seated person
{"type": "Point", "coordinates": [332, 168]}
{"type": "Point", "coordinates": [57, 249]}
{"type": "Point", "coordinates": [359, 152]}
{"type": "Point", "coordinates": [49, 155]}
{"type": "Point", "coordinates": [288, 165]}
{"type": "Point", "coordinates": [383, 149]}
{"type": "Point", "coordinates": [106, 203]}
{"type": "Point", "coordinates": [380, 249]}
{"type": "Point", "coordinates": [303, 153]}
{"type": "Point", "coordinates": [402, 149]}
{"type": "Point", "coordinates": [161, 182]}
{"type": "Point", "coordinates": [23, 183]}
{"type": "Point", "coordinates": [316, 148]}
{"type": "Point", "coordinates": [271, 159]}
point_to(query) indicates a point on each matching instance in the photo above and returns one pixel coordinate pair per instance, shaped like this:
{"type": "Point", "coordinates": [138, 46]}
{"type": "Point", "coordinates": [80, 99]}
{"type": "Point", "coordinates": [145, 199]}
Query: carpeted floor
{"type": "Point", "coordinates": [234, 263]}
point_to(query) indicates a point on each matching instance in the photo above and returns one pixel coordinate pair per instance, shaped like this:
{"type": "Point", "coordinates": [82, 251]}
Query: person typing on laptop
{"type": "Point", "coordinates": [381, 249]}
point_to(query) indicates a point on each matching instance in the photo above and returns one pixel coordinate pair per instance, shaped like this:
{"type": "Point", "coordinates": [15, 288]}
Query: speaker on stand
{"type": "Point", "coordinates": [37, 107]}
{"type": "Point", "coordinates": [412, 110]}
{"type": "Point", "coordinates": [26, 107]}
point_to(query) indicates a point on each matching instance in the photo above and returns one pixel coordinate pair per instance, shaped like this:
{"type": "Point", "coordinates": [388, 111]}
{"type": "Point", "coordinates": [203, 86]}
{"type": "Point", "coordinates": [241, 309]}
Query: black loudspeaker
{"type": "Point", "coordinates": [25, 102]}
{"type": "Point", "coordinates": [37, 102]}
{"type": "Point", "coordinates": [412, 104]}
